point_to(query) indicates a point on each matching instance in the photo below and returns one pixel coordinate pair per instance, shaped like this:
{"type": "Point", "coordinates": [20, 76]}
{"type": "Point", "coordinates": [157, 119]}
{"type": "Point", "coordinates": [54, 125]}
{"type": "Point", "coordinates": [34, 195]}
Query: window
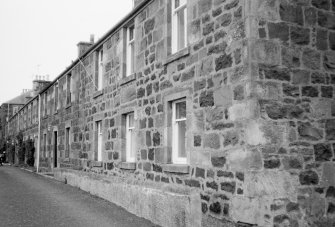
{"type": "Point", "coordinates": [68, 89]}
{"type": "Point", "coordinates": [179, 131]}
{"type": "Point", "coordinates": [67, 142]}
{"type": "Point", "coordinates": [56, 98]}
{"type": "Point", "coordinates": [130, 138]}
{"type": "Point", "coordinates": [179, 25]}
{"type": "Point", "coordinates": [99, 140]}
{"type": "Point", "coordinates": [100, 70]}
{"type": "Point", "coordinates": [130, 49]}
{"type": "Point", "coordinates": [45, 145]}
{"type": "Point", "coordinates": [15, 109]}
{"type": "Point", "coordinates": [45, 103]}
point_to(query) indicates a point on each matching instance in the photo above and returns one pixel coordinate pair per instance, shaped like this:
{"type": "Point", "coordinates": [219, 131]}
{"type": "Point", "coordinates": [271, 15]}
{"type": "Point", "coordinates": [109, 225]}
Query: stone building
{"type": "Point", "coordinates": [200, 113]}
{"type": "Point", "coordinates": [11, 107]}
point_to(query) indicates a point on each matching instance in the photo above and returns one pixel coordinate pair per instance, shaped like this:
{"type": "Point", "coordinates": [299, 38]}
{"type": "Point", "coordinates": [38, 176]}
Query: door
{"type": "Point", "coordinates": [55, 149]}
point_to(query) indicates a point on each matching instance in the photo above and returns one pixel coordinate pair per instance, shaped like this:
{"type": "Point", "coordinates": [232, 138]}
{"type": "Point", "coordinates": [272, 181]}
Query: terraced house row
{"type": "Point", "coordinates": [199, 113]}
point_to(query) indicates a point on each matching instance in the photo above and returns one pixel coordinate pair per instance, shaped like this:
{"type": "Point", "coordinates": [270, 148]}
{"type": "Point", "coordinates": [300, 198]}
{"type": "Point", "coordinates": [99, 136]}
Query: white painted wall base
{"type": "Point", "coordinates": [161, 207]}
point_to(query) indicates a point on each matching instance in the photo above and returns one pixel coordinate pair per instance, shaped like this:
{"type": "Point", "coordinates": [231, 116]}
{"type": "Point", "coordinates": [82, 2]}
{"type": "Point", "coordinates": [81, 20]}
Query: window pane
{"type": "Point", "coordinates": [132, 55]}
{"type": "Point", "coordinates": [181, 134]}
{"type": "Point", "coordinates": [132, 154]}
{"type": "Point", "coordinates": [181, 29]}
{"type": "Point", "coordinates": [131, 120]}
{"type": "Point", "coordinates": [181, 110]}
{"type": "Point", "coordinates": [131, 33]}
{"type": "Point", "coordinates": [176, 4]}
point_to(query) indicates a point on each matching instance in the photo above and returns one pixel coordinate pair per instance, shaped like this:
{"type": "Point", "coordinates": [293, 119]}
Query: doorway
{"type": "Point", "coordinates": [55, 149]}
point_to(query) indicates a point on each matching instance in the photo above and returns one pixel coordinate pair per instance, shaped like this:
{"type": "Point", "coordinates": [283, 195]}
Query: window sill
{"type": "Point", "coordinates": [97, 93]}
{"type": "Point", "coordinates": [128, 79]}
{"type": "Point", "coordinates": [128, 165]}
{"type": "Point", "coordinates": [68, 105]}
{"type": "Point", "coordinates": [182, 53]}
{"type": "Point", "coordinates": [96, 164]}
{"type": "Point", "coordinates": [176, 168]}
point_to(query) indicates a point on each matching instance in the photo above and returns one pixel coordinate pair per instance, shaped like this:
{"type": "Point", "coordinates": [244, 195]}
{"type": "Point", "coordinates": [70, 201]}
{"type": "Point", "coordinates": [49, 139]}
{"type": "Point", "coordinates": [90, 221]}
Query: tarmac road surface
{"type": "Point", "coordinates": [28, 199]}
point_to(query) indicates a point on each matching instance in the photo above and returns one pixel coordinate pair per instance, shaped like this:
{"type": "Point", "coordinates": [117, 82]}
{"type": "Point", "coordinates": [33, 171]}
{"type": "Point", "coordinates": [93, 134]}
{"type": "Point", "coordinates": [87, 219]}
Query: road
{"type": "Point", "coordinates": [28, 199]}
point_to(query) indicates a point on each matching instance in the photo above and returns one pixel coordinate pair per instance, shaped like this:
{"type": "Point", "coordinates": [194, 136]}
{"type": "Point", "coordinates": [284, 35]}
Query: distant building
{"type": "Point", "coordinates": [11, 107]}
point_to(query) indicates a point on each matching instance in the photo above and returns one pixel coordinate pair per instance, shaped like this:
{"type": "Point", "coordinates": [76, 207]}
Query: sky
{"type": "Point", "coordinates": [39, 37]}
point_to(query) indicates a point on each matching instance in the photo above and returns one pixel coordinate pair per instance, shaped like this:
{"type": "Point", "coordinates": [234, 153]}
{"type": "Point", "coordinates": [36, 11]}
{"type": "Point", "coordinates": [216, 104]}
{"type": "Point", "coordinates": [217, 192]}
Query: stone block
{"type": "Point", "coordinates": [253, 133]}
{"type": "Point", "coordinates": [310, 91]}
{"type": "Point", "coordinates": [278, 31]}
{"type": "Point", "coordinates": [308, 177]}
{"type": "Point", "coordinates": [244, 160]}
{"type": "Point", "coordinates": [245, 110]}
{"type": "Point", "coordinates": [321, 4]}
{"type": "Point", "coordinates": [224, 20]}
{"type": "Point", "coordinates": [326, 19]}
{"type": "Point", "coordinates": [222, 62]}
{"type": "Point", "coordinates": [290, 57]}
{"type": "Point", "coordinates": [249, 210]}
{"type": "Point", "coordinates": [322, 152]}
{"type": "Point", "coordinates": [212, 141]}
{"type": "Point", "coordinates": [291, 13]}
{"type": "Point", "coordinates": [328, 176]}
{"type": "Point", "coordinates": [206, 99]}
{"type": "Point", "coordinates": [266, 52]}
{"type": "Point", "coordinates": [321, 39]}
{"type": "Point", "coordinates": [129, 94]}
{"type": "Point", "coordinates": [218, 161]}
{"type": "Point", "coordinates": [329, 61]}
{"type": "Point", "coordinates": [311, 59]}
{"type": "Point", "coordinates": [310, 16]}
{"type": "Point", "coordinates": [223, 97]}
{"type": "Point", "coordinates": [309, 132]}
{"type": "Point", "coordinates": [300, 36]}
{"type": "Point", "coordinates": [330, 129]}
{"type": "Point", "coordinates": [267, 9]}
{"type": "Point", "coordinates": [274, 184]}
{"type": "Point", "coordinates": [200, 158]}
{"type": "Point", "coordinates": [300, 77]}
{"type": "Point", "coordinates": [332, 40]}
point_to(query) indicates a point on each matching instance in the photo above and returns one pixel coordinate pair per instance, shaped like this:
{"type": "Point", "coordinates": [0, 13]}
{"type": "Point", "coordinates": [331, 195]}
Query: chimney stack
{"type": "Point", "coordinates": [84, 46]}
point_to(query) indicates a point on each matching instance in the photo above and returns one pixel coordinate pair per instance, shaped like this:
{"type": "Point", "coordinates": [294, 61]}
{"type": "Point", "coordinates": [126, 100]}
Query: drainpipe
{"type": "Point", "coordinates": [39, 133]}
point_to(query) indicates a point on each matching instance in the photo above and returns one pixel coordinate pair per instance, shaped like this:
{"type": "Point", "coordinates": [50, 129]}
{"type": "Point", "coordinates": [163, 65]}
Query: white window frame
{"type": "Point", "coordinates": [15, 109]}
{"type": "Point", "coordinates": [99, 131]}
{"type": "Point", "coordinates": [68, 141]}
{"type": "Point", "coordinates": [56, 94]}
{"type": "Point", "coordinates": [45, 145]}
{"type": "Point", "coordinates": [130, 50]}
{"type": "Point", "coordinates": [100, 68]}
{"type": "Point", "coordinates": [175, 135]}
{"type": "Point", "coordinates": [130, 135]}
{"type": "Point", "coordinates": [175, 31]}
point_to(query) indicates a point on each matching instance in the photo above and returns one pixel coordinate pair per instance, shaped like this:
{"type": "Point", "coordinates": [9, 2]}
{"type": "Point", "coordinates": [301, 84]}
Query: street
{"type": "Point", "coordinates": [28, 199]}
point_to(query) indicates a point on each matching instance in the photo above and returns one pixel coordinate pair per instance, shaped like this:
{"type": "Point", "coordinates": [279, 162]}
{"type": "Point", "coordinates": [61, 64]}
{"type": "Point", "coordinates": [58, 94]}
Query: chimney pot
{"type": "Point", "coordinates": [92, 38]}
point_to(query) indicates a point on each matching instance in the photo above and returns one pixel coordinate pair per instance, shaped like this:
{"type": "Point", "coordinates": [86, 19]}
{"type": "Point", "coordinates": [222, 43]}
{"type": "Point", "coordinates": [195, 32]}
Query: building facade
{"type": "Point", "coordinates": [199, 113]}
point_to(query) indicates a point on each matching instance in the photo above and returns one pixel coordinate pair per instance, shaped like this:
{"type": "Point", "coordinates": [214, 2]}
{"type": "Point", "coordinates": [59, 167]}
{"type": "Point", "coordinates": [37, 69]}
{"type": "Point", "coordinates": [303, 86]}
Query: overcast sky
{"type": "Point", "coordinates": [41, 36]}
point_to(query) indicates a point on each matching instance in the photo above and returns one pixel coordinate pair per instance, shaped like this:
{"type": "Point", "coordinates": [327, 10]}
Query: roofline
{"type": "Point", "coordinates": [124, 20]}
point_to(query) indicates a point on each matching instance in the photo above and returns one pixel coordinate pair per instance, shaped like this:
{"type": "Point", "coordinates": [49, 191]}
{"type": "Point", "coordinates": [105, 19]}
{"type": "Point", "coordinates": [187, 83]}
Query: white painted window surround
{"type": "Point", "coordinates": [179, 25]}
{"type": "Point", "coordinates": [99, 131]}
{"type": "Point", "coordinates": [130, 49]}
{"type": "Point", "coordinates": [100, 69]}
{"type": "Point", "coordinates": [130, 138]}
{"type": "Point", "coordinates": [179, 132]}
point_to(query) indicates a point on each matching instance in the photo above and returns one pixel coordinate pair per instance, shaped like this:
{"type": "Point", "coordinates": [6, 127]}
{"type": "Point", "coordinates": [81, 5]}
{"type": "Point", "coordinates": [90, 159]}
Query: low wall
{"type": "Point", "coordinates": [161, 207]}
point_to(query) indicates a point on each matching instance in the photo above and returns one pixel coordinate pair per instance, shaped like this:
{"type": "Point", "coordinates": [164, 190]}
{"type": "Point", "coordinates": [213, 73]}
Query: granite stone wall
{"type": "Point", "coordinates": [258, 78]}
